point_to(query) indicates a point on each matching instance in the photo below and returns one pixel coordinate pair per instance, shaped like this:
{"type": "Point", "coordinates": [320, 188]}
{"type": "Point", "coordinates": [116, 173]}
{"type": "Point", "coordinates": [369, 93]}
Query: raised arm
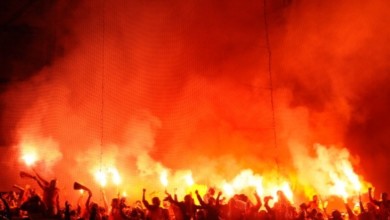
{"type": "Point", "coordinates": [258, 202]}
{"type": "Point", "coordinates": [170, 199]}
{"type": "Point", "coordinates": [88, 201]}
{"type": "Point", "coordinates": [376, 202]}
{"type": "Point", "coordinates": [40, 178]}
{"type": "Point", "coordinates": [144, 201]}
{"type": "Point", "coordinates": [105, 200]}
{"type": "Point", "coordinates": [201, 202]}
{"type": "Point", "coordinates": [266, 205]}
{"type": "Point", "coordinates": [58, 202]}
{"type": "Point", "coordinates": [218, 196]}
{"type": "Point", "coordinates": [40, 183]}
{"type": "Point", "coordinates": [362, 210]}
{"type": "Point", "coordinates": [67, 211]}
{"type": "Point", "coordinates": [351, 216]}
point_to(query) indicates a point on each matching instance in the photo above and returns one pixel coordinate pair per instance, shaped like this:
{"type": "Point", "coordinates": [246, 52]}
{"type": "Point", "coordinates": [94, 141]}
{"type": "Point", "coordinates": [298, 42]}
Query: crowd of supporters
{"type": "Point", "coordinates": [27, 203]}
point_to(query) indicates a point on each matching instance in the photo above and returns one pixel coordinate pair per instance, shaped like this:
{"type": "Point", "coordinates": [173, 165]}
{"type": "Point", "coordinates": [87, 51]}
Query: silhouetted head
{"type": "Point", "coordinates": [53, 183]}
{"type": "Point", "coordinates": [156, 201]}
{"type": "Point", "coordinates": [138, 204]}
{"type": "Point", "coordinates": [188, 199]}
{"type": "Point", "coordinates": [211, 191]}
{"type": "Point", "coordinates": [384, 196]}
{"type": "Point", "coordinates": [122, 200]}
{"type": "Point", "coordinates": [303, 206]}
{"type": "Point", "coordinates": [281, 196]}
{"type": "Point", "coordinates": [115, 203]}
{"type": "Point", "coordinates": [336, 215]}
{"type": "Point", "coordinates": [102, 210]}
{"type": "Point", "coordinates": [320, 216]}
{"type": "Point", "coordinates": [94, 207]}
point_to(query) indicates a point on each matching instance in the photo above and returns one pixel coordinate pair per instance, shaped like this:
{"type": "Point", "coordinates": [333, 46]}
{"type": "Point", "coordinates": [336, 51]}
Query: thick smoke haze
{"type": "Point", "coordinates": [184, 86]}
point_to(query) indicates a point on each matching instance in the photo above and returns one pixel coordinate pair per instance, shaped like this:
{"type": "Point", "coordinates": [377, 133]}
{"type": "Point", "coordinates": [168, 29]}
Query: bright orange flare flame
{"type": "Point", "coordinates": [339, 189]}
{"type": "Point", "coordinates": [108, 175]}
{"type": "Point", "coordinates": [228, 190]}
{"type": "Point", "coordinates": [164, 178]}
{"type": "Point", "coordinates": [101, 178]}
{"type": "Point", "coordinates": [189, 180]}
{"type": "Point", "coordinates": [30, 158]}
{"type": "Point", "coordinates": [246, 179]}
{"type": "Point", "coordinates": [116, 178]}
{"type": "Point", "coordinates": [352, 176]}
{"type": "Point", "coordinates": [285, 187]}
{"type": "Point", "coordinates": [247, 182]}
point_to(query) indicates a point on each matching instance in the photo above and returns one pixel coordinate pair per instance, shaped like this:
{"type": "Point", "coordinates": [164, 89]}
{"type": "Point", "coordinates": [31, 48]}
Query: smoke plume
{"type": "Point", "coordinates": [190, 88]}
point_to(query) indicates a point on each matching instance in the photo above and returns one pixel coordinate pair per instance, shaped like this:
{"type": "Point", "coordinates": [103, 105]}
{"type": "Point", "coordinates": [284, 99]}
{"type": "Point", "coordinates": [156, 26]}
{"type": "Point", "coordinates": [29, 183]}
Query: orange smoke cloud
{"type": "Point", "coordinates": [184, 88]}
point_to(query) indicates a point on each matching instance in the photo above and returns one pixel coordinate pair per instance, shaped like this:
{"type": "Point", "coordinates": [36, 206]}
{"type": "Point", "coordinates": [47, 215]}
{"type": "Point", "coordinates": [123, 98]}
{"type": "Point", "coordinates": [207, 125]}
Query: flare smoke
{"type": "Point", "coordinates": [184, 86]}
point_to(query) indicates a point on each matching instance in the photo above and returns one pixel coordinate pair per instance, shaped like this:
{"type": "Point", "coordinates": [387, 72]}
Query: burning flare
{"type": "Point", "coordinates": [189, 180]}
{"type": "Point", "coordinates": [116, 178]}
{"type": "Point", "coordinates": [30, 158]}
{"type": "Point", "coordinates": [101, 178]}
{"type": "Point", "coordinates": [164, 178]}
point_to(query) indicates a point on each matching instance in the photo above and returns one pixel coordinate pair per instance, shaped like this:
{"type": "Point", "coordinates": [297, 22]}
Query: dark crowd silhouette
{"type": "Point", "coordinates": [44, 203]}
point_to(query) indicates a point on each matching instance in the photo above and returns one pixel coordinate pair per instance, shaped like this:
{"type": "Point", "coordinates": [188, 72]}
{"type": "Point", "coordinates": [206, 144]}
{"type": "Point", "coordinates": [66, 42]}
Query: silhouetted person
{"type": "Point", "coordinates": [336, 215]}
{"type": "Point", "coordinates": [50, 195]}
{"type": "Point", "coordinates": [237, 207]}
{"type": "Point", "coordinates": [369, 214]}
{"type": "Point", "coordinates": [92, 210]}
{"type": "Point", "coordinates": [115, 213]}
{"type": "Point", "coordinates": [155, 212]}
{"type": "Point", "coordinates": [211, 208]}
{"type": "Point", "coordinates": [353, 214]}
{"type": "Point", "coordinates": [270, 211]}
{"type": "Point", "coordinates": [383, 204]}
{"type": "Point", "coordinates": [315, 203]}
{"type": "Point", "coordinates": [303, 213]}
{"type": "Point", "coordinates": [137, 212]}
{"type": "Point", "coordinates": [253, 210]}
{"type": "Point", "coordinates": [5, 213]}
{"type": "Point", "coordinates": [34, 206]}
{"type": "Point", "coordinates": [209, 195]}
{"type": "Point", "coordinates": [187, 207]}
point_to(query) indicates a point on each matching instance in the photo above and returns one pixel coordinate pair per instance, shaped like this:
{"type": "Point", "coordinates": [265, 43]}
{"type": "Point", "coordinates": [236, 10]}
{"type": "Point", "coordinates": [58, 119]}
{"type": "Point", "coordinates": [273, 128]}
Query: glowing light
{"type": "Point", "coordinates": [124, 194]}
{"type": "Point", "coordinates": [244, 181]}
{"type": "Point", "coordinates": [339, 189]}
{"type": "Point", "coordinates": [356, 207]}
{"type": "Point", "coordinates": [81, 191]}
{"type": "Point", "coordinates": [228, 189]}
{"type": "Point", "coordinates": [351, 175]}
{"type": "Point", "coordinates": [189, 180]}
{"type": "Point", "coordinates": [260, 190]}
{"type": "Point", "coordinates": [287, 191]}
{"type": "Point", "coordinates": [101, 178]}
{"type": "Point", "coordinates": [30, 158]}
{"type": "Point", "coordinates": [333, 168]}
{"type": "Point", "coordinates": [29, 155]}
{"type": "Point", "coordinates": [164, 178]}
{"type": "Point", "coordinates": [116, 178]}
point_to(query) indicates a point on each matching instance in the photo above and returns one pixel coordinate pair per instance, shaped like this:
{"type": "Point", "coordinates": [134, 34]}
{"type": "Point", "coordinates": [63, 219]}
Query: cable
{"type": "Point", "coordinates": [102, 93]}
{"type": "Point", "coordinates": [270, 80]}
